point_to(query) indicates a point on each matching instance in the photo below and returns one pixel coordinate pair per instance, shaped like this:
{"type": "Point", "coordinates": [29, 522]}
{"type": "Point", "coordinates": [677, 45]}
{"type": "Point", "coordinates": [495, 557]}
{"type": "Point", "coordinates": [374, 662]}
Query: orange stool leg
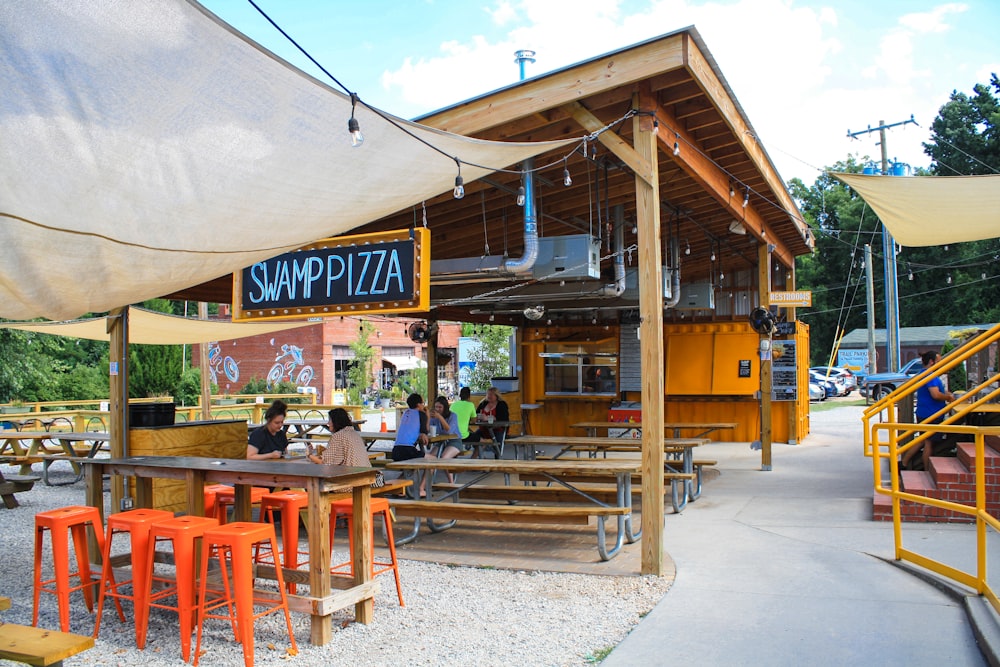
{"type": "Point", "coordinates": [136, 523]}
{"type": "Point", "coordinates": [239, 539]}
{"type": "Point", "coordinates": [289, 503]}
{"type": "Point", "coordinates": [345, 508]}
{"type": "Point", "coordinates": [61, 523]}
{"type": "Point", "coordinates": [183, 533]}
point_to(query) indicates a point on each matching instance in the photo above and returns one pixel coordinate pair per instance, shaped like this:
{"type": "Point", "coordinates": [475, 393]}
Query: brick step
{"type": "Point", "coordinates": [967, 454]}
{"type": "Point", "coordinates": [914, 513]}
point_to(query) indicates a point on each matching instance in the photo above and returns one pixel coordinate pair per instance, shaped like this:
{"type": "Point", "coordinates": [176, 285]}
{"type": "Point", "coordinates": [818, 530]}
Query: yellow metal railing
{"type": "Point", "coordinates": [886, 438]}
{"type": "Point", "coordinates": [894, 431]}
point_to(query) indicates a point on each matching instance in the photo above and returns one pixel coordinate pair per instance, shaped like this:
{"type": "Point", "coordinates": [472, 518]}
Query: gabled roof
{"type": "Point", "coordinates": [910, 336]}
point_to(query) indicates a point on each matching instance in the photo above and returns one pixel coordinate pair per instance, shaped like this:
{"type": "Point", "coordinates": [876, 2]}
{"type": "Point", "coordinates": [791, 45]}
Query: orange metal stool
{"type": "Point", "coordinates": [225, 497]}
{"type": "Point", "coordinates": [136, 523]}
{"type": "Point", "coordinates": [209, 493]}
{"type": "Point", "coordinates": [59, 522]}
{"type": "Point", "coordinates": [289, 504]}
{"type": "Point", "coordinates": [182, 532]}
{"type": "Point", "coordinates": [345, 508]}
{"type": "Point", "coordinates": [237, 540]}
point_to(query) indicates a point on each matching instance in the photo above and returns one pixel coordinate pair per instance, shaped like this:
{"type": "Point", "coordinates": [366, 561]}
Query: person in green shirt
{"type": "Point", "coordinates": [465, 410]}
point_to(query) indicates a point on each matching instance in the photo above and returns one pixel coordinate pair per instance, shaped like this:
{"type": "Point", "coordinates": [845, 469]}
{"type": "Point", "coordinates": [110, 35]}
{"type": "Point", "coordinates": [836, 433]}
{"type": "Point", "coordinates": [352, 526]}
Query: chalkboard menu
{"type": "Point", "coordinates": [783, 370]}
{"type": "Point", "coordinates": [387, 272]}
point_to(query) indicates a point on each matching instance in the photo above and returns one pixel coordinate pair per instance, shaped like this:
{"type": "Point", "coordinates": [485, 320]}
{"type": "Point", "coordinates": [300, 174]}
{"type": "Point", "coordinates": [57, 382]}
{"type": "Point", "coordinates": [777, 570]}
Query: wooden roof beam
{"type": "Point", "coordinates": [716, 183]}
{"type": "Point", "coordinates": [614, 143]}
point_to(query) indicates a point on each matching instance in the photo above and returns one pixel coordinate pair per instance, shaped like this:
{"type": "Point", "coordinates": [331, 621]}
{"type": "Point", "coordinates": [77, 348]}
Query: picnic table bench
{"type": "Point", "coordinates": [449, 506]}
{"type": "Point", "coordinates": [703, 428]}
{"type": "Point", "coordinates": [69, 446]}
{"type": "Point", "coordinates": [11, 484]}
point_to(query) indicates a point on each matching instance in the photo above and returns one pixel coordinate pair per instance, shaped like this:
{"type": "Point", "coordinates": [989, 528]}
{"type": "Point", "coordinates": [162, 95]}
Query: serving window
{"type": "Point", "coordinates": [572, 369]}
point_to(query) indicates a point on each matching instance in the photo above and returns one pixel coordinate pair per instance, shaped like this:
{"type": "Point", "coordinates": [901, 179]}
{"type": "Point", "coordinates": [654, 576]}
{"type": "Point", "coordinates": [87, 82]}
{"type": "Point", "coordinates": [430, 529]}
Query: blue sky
{"type": "Point", "coordinates": [805, 72]}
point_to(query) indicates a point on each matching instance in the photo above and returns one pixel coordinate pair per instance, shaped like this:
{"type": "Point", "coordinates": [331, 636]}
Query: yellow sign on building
{"type": "Point", "coordinates": [801, 299]}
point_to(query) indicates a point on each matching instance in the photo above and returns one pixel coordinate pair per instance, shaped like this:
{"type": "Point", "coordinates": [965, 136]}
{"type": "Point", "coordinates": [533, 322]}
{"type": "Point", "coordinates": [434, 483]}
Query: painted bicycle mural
{"type": "Point", "coordinates": [289, 365]}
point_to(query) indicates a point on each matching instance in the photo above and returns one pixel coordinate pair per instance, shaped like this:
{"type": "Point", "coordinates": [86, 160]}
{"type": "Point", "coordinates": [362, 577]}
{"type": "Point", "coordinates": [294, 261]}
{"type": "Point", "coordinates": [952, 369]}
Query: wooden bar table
{"type": "Point", "coordinates": [318, 480]}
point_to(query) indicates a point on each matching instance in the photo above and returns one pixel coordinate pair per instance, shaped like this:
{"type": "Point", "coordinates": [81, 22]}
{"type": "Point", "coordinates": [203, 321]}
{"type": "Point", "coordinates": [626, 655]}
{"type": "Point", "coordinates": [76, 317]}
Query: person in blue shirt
{"type": "Point", "coordinates": [932, 397]}
{"type": "Point", "coordinates": [411, 433]}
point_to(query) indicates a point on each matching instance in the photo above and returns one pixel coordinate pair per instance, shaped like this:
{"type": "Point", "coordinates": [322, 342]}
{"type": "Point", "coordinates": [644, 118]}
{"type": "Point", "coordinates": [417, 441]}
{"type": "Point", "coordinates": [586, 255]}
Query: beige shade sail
{"type": "Point", "coordinates": [148, 147]}
{"type": "Point", "coordinates": [405, 363]}
{"type": "Point", "coordinates": [932, 210]}
{"type": "Point", "coordinates": [151, 328]}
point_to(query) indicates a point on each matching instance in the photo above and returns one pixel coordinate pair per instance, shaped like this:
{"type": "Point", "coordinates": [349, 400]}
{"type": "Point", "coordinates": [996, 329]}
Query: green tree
{"type": "Point", "coordinates": [359, 374]}
{"type": "Point", "coordinates": [154, 370]}
{"type": "Point", "coordinates": [965, 135]}
{"type": "Point", "coordinates": [493, 355]}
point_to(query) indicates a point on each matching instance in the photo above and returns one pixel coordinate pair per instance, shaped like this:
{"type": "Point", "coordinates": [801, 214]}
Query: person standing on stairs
{"type": "Point", "coordinates": [932, 397]}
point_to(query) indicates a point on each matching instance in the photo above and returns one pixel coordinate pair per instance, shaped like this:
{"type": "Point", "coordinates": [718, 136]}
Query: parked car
{"type": "Point", "coordinates": [842, 376]}
{"type": "Point", "coordinates": [878, 385]}
{"type": "Point", "coordinates": [829, 386]}
{"type": "Point", "coordinates": [816, 392]}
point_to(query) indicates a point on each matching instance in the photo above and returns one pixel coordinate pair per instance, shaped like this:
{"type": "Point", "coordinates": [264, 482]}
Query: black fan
{"type": "Point", "coordinates": [419, 332]}
{"type": "Point", "coordinates": [762, 321]}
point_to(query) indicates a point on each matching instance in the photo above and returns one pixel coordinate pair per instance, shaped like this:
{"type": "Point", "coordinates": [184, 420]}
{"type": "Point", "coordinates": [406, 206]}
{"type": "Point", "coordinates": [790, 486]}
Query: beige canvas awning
{"type": "Point", "coordinates": [932, 210]}
{"type": "Point", "coordinates": [148, 147]}
{"type": "Point", "coordinates": [151, 328]}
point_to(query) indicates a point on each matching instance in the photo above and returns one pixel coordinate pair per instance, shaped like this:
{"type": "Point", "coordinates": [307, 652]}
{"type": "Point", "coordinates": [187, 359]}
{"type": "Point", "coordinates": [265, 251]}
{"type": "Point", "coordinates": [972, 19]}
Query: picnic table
{"type": "Point", "coordinates": [385, 440]}
{"type": "Point", "coordinates": [66, 448]}
{"type": "Point", "coordinates": [319, 481]}
{"type": "Point", "coordinates": [11, 484]}
{"type": "Point", "coordinates": [704, 428]}
{"type": "Point", "coordinates": [563, 473]}
{"type": "Point", "coordinates": [680, 470]}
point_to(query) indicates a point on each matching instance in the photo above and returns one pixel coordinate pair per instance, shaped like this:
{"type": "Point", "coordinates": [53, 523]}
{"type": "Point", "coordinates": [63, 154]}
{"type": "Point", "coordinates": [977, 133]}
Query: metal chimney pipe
{"type": "Point", "coordinates": [523, 56]}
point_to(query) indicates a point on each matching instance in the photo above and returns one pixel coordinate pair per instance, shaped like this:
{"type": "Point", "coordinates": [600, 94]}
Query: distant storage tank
{"type": "Point", "coordinates": [899, 169]}
{"type": "Point", "coordinates": [871, 169]}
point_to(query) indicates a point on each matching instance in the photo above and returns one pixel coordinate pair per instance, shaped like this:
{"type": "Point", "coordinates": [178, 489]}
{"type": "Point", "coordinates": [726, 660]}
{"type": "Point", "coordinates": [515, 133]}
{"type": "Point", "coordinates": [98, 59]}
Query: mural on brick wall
{"type": "Point", "coordinates": [226, 364]}
{"type": "Point", "coordinates": [289, 366]}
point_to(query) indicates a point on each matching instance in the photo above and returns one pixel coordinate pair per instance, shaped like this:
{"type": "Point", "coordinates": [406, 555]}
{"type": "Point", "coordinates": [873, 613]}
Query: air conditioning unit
{"type": "Point", "coordinates": [632, 284]}
{"type": "Point", "coordinates": [573, 256]}
{"type": "Point", "coordinates": [696, 296]}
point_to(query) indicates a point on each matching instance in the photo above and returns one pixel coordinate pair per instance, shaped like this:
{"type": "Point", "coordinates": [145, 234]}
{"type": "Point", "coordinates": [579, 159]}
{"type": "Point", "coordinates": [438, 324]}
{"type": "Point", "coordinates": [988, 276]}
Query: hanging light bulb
{"type": "Point", "coordinates": [687, 247]}
{"type": "Point", "coordinates": [909, 273]}
{"type": "Point", "coordinates": [746, 198]}
{"type": "Point", "coordinates": [949, 279]}
{"type": "Point", "coordinates": [492, 317]}
{"type": "Point", "coordinates": [567, 179]}
{"type": "Point", "coordinates": [732, 191]}
{"type": "Point", "coordinates": [677, 148]}
{"type": "Point", "coordinates": [352, 124]}
{"type": "Point", "coordinates": [520, 196]}
{"type": "Point", "coordinates": [459, 187]}
{"type": "Point", "coordinates": [984, 275]}
{"type": "Point", "coordinates": [722, 276]}
{"type": "Point", "coordinates": [712, 258]}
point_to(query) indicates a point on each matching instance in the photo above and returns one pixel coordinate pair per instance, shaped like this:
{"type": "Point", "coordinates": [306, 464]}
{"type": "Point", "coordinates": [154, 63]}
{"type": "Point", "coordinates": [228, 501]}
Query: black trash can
{"type": "Point", "coordinates": [151, 414]}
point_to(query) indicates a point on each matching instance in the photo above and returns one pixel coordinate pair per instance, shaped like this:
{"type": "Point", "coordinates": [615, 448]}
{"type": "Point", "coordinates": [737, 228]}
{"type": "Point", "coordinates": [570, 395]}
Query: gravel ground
{"type": "Point", "coordinates": [453, 615]}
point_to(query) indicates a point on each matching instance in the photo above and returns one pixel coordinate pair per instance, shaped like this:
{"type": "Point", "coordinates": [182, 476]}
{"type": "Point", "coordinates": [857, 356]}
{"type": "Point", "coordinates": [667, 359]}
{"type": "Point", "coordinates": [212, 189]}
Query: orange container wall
{"type": "Point", "coordinates": [702, 384]}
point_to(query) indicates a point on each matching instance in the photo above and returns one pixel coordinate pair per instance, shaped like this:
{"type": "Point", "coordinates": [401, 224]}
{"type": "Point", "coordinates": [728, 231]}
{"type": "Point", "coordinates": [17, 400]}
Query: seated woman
{"type": "Point", "coordinates": [447, 424]}
{"type": "Point", "coordinates": [269, 441]}
{"type": "Point", "coordinates": [411, 433]}
{"type": "Point", "coordinates": [345, 447]}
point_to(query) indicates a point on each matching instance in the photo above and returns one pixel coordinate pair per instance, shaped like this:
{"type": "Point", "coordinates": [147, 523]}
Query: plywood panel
{"type": "Point", "coordinates": [222, 439]}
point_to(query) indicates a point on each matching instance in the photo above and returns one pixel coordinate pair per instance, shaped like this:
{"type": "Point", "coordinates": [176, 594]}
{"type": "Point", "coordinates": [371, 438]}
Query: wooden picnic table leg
{"type": "Point", "coordinates": [321, 625]}
{"type": "Point", "coordinates": [94, 497]}
{"type": "Point", "coordinates": [364, 549]}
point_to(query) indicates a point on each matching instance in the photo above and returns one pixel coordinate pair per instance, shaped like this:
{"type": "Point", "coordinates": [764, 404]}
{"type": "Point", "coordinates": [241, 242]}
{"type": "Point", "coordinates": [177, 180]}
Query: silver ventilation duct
{"type": "Point", "coordinates": [524, 263]}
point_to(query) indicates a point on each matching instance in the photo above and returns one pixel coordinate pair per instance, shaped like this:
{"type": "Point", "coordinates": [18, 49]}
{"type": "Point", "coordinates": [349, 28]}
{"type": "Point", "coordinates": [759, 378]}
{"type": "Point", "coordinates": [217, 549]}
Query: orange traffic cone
{"type": "Point", "coordinates": [385, 427]}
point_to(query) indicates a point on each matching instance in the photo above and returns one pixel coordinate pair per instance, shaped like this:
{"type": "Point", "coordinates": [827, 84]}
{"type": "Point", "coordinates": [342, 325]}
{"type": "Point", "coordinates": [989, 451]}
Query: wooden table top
{"type": "Point", "coordinates": [598, 442]}
{"type": "Point", "coordinates": [595, 467]}
{"type": "Point", "coordinates": [674, 425]}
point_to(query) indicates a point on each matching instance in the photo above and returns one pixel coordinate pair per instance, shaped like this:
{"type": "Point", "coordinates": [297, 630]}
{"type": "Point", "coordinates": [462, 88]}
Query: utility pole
{"type": "Point", "coordinates": [870, 289]}
{"type": "Point", "coordinates": [889, 254]}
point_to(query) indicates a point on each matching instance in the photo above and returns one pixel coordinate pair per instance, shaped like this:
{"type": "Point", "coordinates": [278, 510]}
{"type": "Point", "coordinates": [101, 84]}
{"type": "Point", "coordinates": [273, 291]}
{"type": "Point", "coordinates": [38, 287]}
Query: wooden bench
{"type": "Point", "coordinates": [11, 484]}
{"type": "Point", "coordinates": [538, 514]}
{"type": "Point", "coordinates": [38, 646]}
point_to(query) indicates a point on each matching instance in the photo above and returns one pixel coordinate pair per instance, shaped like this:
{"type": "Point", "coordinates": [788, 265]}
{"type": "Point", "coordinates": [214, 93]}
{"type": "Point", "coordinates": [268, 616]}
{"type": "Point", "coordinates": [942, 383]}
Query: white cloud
{"type": "Point", "coordinates": [934, 20]}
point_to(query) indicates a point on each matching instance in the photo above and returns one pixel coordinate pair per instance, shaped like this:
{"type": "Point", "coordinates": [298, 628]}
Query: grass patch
{"type": "Point", "coordinates": [598, 656]}
{"type": "Point", "coordinates": [828, 405]}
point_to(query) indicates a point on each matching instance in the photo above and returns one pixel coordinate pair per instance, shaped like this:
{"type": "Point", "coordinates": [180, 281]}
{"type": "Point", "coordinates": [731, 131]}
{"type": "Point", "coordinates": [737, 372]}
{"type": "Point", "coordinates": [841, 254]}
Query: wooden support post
{"type": "Point", "coordinates": [763, 289]}
{"type": "Point", "coordinates": [118, 396]}
{"type": "Point", "coordinates": [432, 366]}
{"type": "Point", "coordinates": [647, 196]}
{"type": "Point", "coordinates": [206, 382]}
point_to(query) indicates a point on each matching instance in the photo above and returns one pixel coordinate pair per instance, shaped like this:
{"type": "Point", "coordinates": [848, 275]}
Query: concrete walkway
{"type": "Point", "coordinates": [786, 568]}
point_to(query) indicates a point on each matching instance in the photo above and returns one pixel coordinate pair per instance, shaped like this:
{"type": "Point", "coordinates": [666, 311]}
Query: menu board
{"type": "Point", "coordinates": [783, 375]}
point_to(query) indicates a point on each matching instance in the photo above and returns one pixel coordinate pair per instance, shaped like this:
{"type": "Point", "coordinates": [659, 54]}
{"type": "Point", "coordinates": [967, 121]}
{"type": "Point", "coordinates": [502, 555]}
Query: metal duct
{"type": "Point", "coordinates": [619, 285]}
{"type": "Point", "coordinates": [447, 271]}
{"type": "Point", "coordinates": [675, 273]}
{"type": "Point", "coordinates": [524, 263]}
